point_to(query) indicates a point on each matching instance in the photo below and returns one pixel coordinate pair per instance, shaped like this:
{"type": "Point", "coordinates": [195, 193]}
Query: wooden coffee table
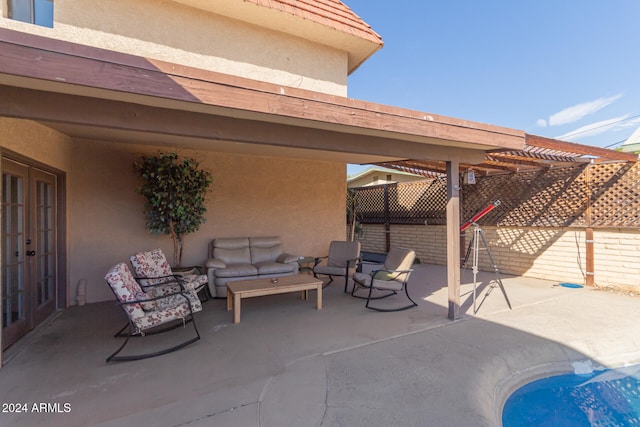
{"type": "Point", "coordinates": [260, 287]}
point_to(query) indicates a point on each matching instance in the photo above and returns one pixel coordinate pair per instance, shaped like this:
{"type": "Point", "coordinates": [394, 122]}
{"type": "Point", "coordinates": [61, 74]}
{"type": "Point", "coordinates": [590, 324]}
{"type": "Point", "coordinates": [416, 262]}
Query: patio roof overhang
{"type": "Point", "coordinates": [87, 92]}
{"type": "Point", "coordinates": [94, 93]}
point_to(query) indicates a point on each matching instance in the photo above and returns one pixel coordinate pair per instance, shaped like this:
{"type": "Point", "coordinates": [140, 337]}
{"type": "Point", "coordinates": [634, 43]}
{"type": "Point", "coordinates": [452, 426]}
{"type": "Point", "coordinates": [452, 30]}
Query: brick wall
{"type": "Point", "coordinates": [551, 253]}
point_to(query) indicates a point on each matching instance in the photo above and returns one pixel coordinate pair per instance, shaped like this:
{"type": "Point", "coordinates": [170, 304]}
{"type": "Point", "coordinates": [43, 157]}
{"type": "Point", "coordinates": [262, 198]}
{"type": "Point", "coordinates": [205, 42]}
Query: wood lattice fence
{"type": "Point", "coordinates": [584, 195]}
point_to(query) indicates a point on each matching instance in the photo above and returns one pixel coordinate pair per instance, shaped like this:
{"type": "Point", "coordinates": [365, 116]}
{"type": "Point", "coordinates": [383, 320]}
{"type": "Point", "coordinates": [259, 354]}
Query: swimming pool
{"type": "Point", "coordinates": [605, 398]}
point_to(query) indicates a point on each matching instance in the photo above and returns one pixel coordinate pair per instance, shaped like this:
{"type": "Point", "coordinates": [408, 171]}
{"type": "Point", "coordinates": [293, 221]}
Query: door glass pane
{"type": "Point", "coordinates": [13, 297]}
{"type": "Point", "coordinates": [45, 250]}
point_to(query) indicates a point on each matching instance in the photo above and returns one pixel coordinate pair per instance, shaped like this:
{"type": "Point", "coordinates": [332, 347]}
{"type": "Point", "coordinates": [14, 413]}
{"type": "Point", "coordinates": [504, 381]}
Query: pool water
{"type": "Point", "coordinates": [609, 398]}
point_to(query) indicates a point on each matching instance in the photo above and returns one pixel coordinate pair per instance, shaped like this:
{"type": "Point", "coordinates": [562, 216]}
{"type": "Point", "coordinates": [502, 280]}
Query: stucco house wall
{"type": "Point", "coordinates": [251, 196]}
{"type": "Point", "coordinates": [37, 142]}
{"type": "Point", "coordinates": [172, 32]}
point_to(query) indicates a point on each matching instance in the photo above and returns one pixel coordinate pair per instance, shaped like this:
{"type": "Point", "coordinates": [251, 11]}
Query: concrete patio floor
{"type": "Point", "coordinates": [288, 364]}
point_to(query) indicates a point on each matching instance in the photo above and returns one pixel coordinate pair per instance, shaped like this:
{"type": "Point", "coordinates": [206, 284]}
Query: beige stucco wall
{"type": "Point", "coordinates": [556, 254]}
{"type": "Point", "coordinates": [300, 200]}
{"type": "Point", "coordinates": [37, 142]}
{"type": "Point", "coordinates": [171, 32]}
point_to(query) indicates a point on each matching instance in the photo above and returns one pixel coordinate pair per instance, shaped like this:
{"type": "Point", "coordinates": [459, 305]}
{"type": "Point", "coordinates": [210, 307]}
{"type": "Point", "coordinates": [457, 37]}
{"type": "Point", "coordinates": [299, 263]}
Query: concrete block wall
{"type": "Point", "coordinates": [617, 258]}
{"type": "Point", "coordinates": [556, 254]}
{"type": "Point", "coordinates": [373, 238]}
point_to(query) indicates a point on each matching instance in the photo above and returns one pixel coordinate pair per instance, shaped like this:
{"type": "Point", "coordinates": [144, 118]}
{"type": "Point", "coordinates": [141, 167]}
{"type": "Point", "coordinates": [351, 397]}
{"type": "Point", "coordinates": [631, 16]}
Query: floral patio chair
{"type": "Point", "coordinates": [153, 270]}
{"type": "Point", "coordinates": [148, 310]}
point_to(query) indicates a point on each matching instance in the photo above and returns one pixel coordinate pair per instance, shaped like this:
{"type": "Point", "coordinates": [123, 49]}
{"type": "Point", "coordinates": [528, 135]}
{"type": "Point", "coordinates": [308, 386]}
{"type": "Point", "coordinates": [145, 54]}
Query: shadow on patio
{"type": "Point", "coordinates": [287, 364]}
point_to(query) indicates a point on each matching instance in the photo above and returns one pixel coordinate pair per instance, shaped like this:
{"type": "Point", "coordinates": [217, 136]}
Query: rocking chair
{"type": "Point", "coordinates": [153, 270]}
{"type": "Point", "coordinates": [147, 310]}
{"type": "Point", "coordinates": [392, 278]}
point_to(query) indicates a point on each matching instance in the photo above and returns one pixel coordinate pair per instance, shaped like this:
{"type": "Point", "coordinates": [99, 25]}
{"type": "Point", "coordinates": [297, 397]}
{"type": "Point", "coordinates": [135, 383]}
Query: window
{"type": "Point", "coordinates": [389, 178]}
{"type": "Point", "coordinates": [39, 12]}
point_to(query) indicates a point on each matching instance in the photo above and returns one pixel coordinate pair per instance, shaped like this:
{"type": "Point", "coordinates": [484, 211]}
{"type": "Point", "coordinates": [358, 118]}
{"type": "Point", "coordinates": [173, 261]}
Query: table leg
{"type": "Point", "coordinates": [229, 300]}
{"type": "Point", "coordinates": [236, 308]}
{"type": "Point", "coordinates": [319, 304]}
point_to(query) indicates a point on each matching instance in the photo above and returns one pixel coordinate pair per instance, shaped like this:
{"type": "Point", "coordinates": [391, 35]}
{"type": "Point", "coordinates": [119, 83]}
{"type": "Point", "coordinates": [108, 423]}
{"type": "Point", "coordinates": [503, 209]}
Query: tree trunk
{"type": "Point", "coordinates": [177, 246]}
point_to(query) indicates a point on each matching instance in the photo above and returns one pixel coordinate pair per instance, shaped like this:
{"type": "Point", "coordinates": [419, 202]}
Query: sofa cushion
{"type": "Point", "coordinates": [270, 267]}
{"type": "Point", "coordinates": [232, 251]}
{"type": "Point", "coordinates": [237, 270]}
{"type": "Point", "coordinates": [265, 249]}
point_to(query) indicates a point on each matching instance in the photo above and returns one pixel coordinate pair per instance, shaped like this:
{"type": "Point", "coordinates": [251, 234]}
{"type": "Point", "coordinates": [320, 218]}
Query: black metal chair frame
{"type": "Point", "coordinates": [369, 297]}
{"type": "Point", "coordinates": [158, 329]}
{"type": "Point", "coordinates": [169, 279]}
{"type": "Point", "coordinates": [355, 262]}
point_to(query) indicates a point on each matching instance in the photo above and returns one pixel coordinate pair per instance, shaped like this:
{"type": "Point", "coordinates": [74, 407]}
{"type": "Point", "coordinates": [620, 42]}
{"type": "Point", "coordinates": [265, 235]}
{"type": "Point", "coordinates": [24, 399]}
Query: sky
{"type": "Point", "coordinates": [565, 69]}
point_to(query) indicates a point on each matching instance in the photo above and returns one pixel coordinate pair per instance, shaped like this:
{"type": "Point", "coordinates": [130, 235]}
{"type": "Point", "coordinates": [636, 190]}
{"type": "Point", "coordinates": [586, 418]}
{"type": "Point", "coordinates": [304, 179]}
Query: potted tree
{"type": "Point", "coordinates": [175, 191]}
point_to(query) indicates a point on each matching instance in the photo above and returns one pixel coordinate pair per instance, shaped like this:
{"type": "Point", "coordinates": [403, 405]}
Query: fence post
{"type": "Point", "coordinates": [387, 226]}
{"type": "Point", "coordinates": [589, 240]}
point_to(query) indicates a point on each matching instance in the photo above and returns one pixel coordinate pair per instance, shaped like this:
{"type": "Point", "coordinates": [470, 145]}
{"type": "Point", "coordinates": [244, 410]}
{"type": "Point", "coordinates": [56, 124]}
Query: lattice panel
{"type": "Point", "coordinates": [418, 202]}
{"type": "Point", "coordinates": [370, 203]}
{"type": "Point", "coordinates": [615, 195]}
{"type": "Point", "coordinates": [547, 198]}
{"type": "Point", "coordinates": [555, 197]}
{"type": "Point", "coordinates": [407, 203]}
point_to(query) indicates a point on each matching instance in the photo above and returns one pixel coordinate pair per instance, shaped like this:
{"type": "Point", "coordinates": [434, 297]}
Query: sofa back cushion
{"type": "Point", "coordinates": [265, 249]}
{"type": "Point", "coordinates": [232, 250]}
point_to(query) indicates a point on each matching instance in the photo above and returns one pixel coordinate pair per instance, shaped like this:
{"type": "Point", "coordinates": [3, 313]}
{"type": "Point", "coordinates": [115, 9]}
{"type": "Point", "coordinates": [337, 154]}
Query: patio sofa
{"type": "Point", "coordinates": [244, 258]}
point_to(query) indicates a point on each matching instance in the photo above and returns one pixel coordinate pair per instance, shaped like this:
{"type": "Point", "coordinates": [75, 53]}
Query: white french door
{"type": "Point", "coordinates": [29, 259]}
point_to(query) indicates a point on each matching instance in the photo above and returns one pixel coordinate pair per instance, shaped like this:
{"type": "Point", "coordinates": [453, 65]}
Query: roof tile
{"type": "Point", "coordinates": [330, 13]}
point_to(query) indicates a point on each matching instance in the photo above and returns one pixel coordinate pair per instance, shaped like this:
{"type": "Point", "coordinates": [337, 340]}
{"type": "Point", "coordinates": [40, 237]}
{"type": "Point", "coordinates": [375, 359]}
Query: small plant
{"type": "Point", "coordinates": [354, 225]}
{"type": "Point", "coordinates": [175, 190]}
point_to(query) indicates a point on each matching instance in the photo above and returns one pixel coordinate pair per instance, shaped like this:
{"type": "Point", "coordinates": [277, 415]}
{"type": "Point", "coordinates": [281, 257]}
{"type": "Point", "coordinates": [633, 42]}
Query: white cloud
{"type": "Point", "coordinates": [541, 123]}
{"type": "Point", "coordinates": [600, 127]}
{"type": "Point", "coordinates": [578, 111]}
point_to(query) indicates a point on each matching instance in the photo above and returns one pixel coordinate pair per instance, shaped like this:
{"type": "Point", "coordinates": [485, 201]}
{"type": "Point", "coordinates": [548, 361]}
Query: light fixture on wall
{"type": "Point", "coordinates": [469, 177]}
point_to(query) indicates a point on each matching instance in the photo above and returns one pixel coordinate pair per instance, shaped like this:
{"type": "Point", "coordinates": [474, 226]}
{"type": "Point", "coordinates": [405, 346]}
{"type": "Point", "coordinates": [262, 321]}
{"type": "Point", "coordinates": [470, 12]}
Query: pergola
{"type": "Point", "coordinates": [538, 153]}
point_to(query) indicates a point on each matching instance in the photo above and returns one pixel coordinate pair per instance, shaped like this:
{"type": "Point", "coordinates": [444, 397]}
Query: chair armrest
{"type": "Point", "coordinates": [319, 259]}
{"type": "Point", "coordinates": [355, 262]}
{"type": "Point", "coordinates": [387, 274]}
{"type": "Point", "coordinates": [148, 302]}
{"type": "Point", "coordinates": [287, 258]}
{"type": "Point", "coordinates": [215, 263]}
{"type": "Point", "coordinates": [154, 282]}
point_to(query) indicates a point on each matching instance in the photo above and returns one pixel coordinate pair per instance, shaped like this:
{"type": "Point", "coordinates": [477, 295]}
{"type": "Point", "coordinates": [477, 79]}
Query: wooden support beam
{"type": "Point", "coordinates": [501, 158]}
{"type": "Point", "coordinates": [571, 147]}
{"type": "Point", "coordinates": [453, 238]}
{"type": "Point", "coordinates": [58, 108]}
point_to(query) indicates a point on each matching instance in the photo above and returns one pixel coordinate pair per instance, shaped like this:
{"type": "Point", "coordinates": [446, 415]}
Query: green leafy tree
{"type": "Point", "coordinates": [175, 191]}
